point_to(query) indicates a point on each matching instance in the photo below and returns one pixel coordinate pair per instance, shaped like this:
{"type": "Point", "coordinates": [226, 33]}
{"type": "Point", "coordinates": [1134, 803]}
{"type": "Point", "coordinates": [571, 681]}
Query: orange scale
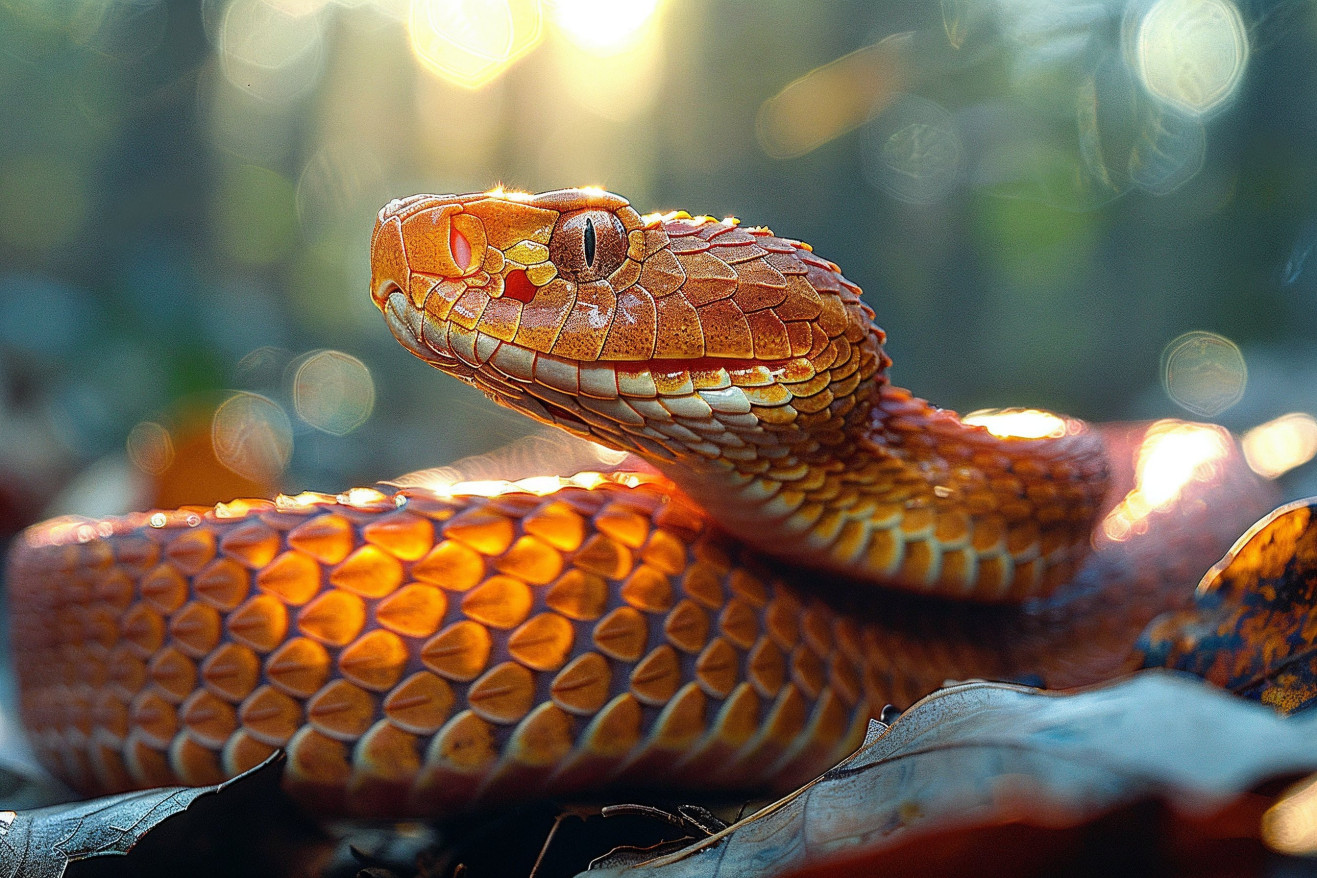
{"type": "Point", "coordinates": [622, 634]}
{"type": "Point", "coordinates": [766, 668]}
{"type": "Point", "coordinates": [192, 549]}
{"type": "Point", "coordinates": [627, 526]}
{"type": "Point", "coordinates": [647, 590]}
{"type": "Point", "coordinates": [459, 652]}
{"type": "Point", "coordinates": [504, 694]}
{"type": "Point", "coordinates": [193, 763]}
{"type": "Point", "coordinates": [558, 524]}
{"type": "Point", "coordinates": [541, 740]}
{"type": "Point", "coordinates": [583, 685]}
{"type": "Point", "coordinates": [403, 534]}
{"type": "Point", "coordinates": [318, 769]}
{"type": "Point", "coordinates": [270, 716]}
{"type": "Point", "coordinates": [485, 532]}
{"type": "Point", "coordinates": [299, 667]}
{"type": "Point", "coordinates": [384, 763]}
{"type": "Point", "coordinates": [196, 628]}
{"type": "Point", "coordinates": [125, 672]}
{"type": "Point", "coordinates": [109, 768]}
{"type": "Point", "coordinates": [466, 744]}
{"type": "Point", "coordinates": [369, 571]}
{"type": "Point", "coordinates": [144, 628]}
{"type": "Point", "coordinates": [499, 602]}
{"type": "Point", "coordinates": [578, 595]}
{"type": "Point", "coordinates": [293, 577]}
{"type": "Point", "coordinates": [114, 587]}
{"type": "Point", "coordinates": [254, 544]}
{"type": "Point", "coordinates": [135, 555]}
{"type": "Point", "coordinates": [242, 752]}
{"type": "Point", "coordinates": [415, 610]}
{"type": "Point", "coordinates": [687, 626]}
{"type": "Point", "coordinates": [452, 565]}
{"type": "Point", "coordinates": [260, 623]}
{"type": "Point", "coordinates": [718, 668]}
{"type": "Point", "coordinates": [680, 334]}
{"type": "Point", "coordinates": [502, 317]}
{"type": "Point", "coordinates": [223, 583]}
{"type": "Point", "coordinates": [231, 672]}
{"type": "Point", "coordinates": [542, 643]}
{"type": "Point", "coordinates": [153, 719]}
{"type": "Point", "coordinates": [164, 588]}
{"type": "Point", "coordinates": [606, 557]}
{"type": "Point", "coordinates": [374, 661]}
{"type": "Point", "coordinates": [421, 704]}
{"type": "Point", "coordinates": [209, 720]}
{"type": "Point", "coordinates": [531, 559]}
{"type": "Point", "coordinates": [173, 673]}
{"type": "Point", "coordinates": [147, 763]}
{"type": "Point", "coordinates": [335, 618]}
{"type": "Point", "coordinates": [327, 537]}
{"type": "Point", "coordinates": [655, 678]}
{"type": "Point", "coordinates": [341, 710]}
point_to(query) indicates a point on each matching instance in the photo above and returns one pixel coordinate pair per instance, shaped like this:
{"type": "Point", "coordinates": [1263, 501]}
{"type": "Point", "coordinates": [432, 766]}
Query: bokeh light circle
{"type": "Point", "coordinates": [1204, 373]}
{"type": "Point", "coordinates": [914, 151]}
{"type": "Point", "coordinates": [333, 392]}
{"type": "Point", "coordinates": [1191, 54]}
{"type": "Point", "coordinates": [150, 447]}
{"type": "Point", "coordinates": [269, 51]}
{"type": "Point", "coordinates": [252, 435]}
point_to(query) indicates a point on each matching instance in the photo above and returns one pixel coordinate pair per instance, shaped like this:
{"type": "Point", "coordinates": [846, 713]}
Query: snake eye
{"type": "Point", "coordinates": [588, 245]}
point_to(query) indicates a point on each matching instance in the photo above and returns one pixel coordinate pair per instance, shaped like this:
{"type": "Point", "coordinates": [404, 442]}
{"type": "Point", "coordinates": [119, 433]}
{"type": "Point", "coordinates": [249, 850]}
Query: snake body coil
{"type": "Point", "coordinates": [715, 626]}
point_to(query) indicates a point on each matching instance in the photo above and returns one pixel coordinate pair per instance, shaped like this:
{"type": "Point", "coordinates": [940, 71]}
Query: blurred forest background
{"type": "Point", "coordinates": [1040, 198]}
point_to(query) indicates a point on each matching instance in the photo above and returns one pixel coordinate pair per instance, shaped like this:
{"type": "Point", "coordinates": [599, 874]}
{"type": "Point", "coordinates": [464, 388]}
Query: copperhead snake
{"type": "Point", "coordinates": [812, 544]}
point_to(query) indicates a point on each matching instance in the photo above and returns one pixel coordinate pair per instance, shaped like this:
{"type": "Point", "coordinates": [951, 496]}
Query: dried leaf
{"type": "Point", "coordinates": [976, 754]}
{"type": "Point", "coordinates": [40, 843]}
{"type": "Point", "coordinates": [1251, 628]}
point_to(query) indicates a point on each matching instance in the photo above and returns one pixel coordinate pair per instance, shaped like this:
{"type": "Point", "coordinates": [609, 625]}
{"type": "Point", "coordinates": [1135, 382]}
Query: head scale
{"type": "Point", "coordinates": [665, 335]}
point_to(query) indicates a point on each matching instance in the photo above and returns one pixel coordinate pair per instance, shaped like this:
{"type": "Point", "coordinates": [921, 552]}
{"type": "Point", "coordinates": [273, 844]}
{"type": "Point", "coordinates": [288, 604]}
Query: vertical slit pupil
{"type": "Point", "coordinates": [589, 242]}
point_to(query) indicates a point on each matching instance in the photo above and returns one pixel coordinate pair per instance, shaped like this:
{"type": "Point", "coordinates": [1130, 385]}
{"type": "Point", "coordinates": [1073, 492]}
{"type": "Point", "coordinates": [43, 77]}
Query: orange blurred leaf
{"type": "Point", "coordinates": [1251, 628]}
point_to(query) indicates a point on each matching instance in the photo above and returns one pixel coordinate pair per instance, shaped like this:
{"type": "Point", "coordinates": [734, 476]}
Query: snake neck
{"type": "Point", "coordinates": [906, 494]}
{"type": "Point", "coordinates": [749, 370]}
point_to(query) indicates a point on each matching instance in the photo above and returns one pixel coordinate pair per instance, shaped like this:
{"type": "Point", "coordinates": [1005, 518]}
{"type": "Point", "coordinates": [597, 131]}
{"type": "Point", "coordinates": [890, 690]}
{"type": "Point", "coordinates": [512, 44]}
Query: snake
{"type": "Point", "coordinates": [802, 543]}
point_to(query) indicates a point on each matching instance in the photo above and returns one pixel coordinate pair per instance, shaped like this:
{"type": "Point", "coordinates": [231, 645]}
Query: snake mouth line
{"type": "Point", "coordinates": [464, 352]}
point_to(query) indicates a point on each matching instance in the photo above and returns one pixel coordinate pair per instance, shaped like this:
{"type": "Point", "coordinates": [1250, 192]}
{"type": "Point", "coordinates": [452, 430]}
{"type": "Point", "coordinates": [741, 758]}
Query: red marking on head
{"type": "Point", "coordinates": [517, 286]}
{"type": "Point", "coordinates": [460, 247]}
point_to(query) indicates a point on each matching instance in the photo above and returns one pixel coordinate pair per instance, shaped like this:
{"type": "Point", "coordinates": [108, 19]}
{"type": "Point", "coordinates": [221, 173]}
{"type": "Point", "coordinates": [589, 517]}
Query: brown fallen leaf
{"type": "Point", "coordinates": [43, 842]}
{"type": "Point", "coordinates": [974, 754]}
{"type": "Point", "coordinates": [1252, 628]}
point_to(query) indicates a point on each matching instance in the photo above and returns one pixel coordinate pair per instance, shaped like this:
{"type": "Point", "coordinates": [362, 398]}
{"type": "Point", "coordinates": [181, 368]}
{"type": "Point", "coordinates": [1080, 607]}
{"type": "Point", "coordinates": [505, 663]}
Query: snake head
{"type": "Point", "coordinates": [664, 335]}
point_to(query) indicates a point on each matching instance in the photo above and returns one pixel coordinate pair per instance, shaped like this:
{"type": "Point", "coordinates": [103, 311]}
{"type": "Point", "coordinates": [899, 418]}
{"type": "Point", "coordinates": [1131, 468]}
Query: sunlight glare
{"type": "Point", "coordinates": [471, 42]}
{"type": "Point", "coordinates": [1173, 455]}
{"type": "Point", "coordinates": [1019, 423]}
{"type": "Point", "coordinates": [1278, 446]}
{"type": "Point", "coordinates": [1290, 825]}
{"type": "Point", "coordinates": [604, 27]}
